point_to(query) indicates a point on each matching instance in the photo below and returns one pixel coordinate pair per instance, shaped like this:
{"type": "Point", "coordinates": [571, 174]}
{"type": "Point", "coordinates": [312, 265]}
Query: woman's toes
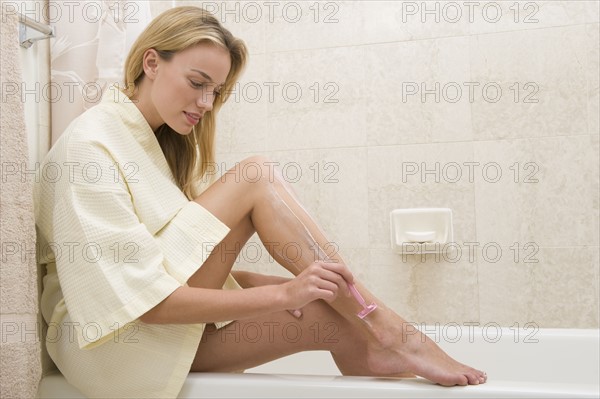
{"type": "Point", "coordinates": [473, 379]}
{"type": "Point", "coordinates": [483, 377]}
{"type": "Point", "coordinates": [462, 380]}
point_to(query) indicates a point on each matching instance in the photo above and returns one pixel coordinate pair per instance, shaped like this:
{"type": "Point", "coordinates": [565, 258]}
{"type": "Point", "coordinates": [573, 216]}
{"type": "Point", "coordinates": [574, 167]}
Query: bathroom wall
{"type": "Point", "coordinates": [489, 109]}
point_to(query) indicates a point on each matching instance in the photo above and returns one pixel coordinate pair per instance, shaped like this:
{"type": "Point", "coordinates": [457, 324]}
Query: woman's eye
{"type": "Point", "coordinates": [197, 85]}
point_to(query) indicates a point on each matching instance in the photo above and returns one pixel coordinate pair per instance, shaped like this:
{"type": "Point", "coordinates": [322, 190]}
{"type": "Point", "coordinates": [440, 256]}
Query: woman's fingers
{"type": "Point", "coordinates": [338, 273]}
{"type": "Point", "coordinates": [321, 280]}
{"type": "Point", "coordinates": [331, 278]}
{"type": "Point", "coordinates": [328, 286]}
{"type": "Point", "coordinates": [340, 269]}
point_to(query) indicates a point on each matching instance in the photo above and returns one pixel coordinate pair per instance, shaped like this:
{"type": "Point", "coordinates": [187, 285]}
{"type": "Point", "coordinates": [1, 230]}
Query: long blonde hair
{"type": "Point", "coordinates": [172, 31]}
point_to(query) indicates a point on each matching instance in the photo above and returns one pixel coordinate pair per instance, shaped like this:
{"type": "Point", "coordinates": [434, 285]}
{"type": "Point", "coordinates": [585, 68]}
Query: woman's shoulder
{"type": "Point", "coordinates": [107, 134]}
{"type": "Point", "coordinates": [83, 147]}
{"type": "Point", "coordinates": [102, 120]}
{"type": "Point", "coordinates": [102, 125]}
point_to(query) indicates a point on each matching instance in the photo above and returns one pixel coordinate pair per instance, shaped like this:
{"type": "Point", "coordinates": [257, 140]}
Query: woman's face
{"type": "Point", "coordinates": [184, 87]}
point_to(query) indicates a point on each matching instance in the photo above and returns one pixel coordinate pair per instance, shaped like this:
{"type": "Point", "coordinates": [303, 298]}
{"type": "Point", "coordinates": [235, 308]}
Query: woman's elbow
{"type": "Point", "coordinates": [161, 313]}
{"type": "Point", "coordinates": [151, 317]}
{"type": "Point", "coordinates": [148, 317]}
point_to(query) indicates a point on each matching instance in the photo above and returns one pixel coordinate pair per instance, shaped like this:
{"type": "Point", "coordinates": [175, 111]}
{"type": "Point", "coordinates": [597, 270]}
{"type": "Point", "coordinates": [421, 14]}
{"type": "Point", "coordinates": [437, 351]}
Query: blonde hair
{"type": "Point", "coordinates": [172, 31]}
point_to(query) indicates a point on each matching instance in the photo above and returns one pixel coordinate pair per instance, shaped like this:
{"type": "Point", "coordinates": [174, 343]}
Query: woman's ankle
{"type": "Point", "coordinates": [383, 329]}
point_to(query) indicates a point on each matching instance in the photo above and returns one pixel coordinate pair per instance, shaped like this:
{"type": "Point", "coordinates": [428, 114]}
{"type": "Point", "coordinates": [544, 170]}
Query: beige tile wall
{"type": "Point", "coordinates": [541, 213]}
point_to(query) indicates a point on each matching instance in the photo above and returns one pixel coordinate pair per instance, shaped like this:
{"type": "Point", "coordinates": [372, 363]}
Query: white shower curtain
{"type": "Point", "coordinates": [88, 53]}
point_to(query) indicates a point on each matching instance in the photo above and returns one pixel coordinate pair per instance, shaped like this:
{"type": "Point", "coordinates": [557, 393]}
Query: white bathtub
{"type": "Point", "coordinates": [525, 363]}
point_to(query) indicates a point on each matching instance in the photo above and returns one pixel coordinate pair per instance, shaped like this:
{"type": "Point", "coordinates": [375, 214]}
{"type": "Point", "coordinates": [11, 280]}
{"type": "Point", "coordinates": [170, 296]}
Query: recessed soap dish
{"type": "Point", "coordinates": [420, 230]}
{"type": "Point", "coordinates": [419, 236]}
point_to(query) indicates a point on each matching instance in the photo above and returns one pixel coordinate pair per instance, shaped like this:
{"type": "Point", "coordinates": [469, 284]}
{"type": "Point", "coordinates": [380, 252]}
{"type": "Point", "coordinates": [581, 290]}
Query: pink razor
{"type": "Point", "coordinates": [366, 308]}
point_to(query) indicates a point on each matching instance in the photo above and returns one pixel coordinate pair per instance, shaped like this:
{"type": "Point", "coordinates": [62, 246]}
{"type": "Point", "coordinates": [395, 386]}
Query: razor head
{"type": "Point", "coordinates": [363, 313]}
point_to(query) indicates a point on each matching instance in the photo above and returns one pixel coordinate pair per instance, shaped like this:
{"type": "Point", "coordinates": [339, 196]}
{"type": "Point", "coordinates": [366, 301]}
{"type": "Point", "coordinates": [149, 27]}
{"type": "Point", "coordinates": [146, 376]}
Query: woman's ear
{"type": "Point", "coordinates": [150, 63]}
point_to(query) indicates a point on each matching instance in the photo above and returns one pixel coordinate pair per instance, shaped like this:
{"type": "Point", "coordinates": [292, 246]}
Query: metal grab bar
{"type": "Point", "coordinates": [46, 30]}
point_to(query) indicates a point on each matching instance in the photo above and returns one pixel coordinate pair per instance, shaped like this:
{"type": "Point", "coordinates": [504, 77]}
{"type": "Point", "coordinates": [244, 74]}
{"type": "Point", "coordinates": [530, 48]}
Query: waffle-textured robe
{"type": "Point", "coordinates": [117, 237]}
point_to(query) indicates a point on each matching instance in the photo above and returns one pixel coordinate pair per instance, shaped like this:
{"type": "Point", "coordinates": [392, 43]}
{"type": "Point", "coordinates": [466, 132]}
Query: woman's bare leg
{"type": "Point", "coordinates": [253, 194]}
{"type": "Point", "coordinates": [249, 343]}
{"type": "Point", "coordinates": [217, 266]}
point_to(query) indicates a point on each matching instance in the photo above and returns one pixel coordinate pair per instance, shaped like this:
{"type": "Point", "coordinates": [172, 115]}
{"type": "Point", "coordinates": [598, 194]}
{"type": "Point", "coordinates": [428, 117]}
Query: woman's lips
{"type": "Point", "coordinates": [192, 117]}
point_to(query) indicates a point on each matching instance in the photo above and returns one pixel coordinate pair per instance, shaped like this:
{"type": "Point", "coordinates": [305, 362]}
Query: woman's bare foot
{"type": "Point", "coordinates": [399, 348]}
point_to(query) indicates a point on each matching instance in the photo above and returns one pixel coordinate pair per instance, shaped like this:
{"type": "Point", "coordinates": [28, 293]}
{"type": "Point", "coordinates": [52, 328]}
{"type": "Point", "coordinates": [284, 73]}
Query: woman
{"type": "Point", "coordinates": [139, 290]}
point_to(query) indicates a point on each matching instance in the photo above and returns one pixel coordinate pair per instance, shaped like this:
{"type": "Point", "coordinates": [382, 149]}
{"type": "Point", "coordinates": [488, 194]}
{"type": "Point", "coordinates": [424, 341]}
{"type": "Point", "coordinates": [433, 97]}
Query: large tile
{"type": "Point", "coordinates": [530, 83]}
{"type": "Point", "coordinates": [502, 16]}
{"type": "Point", "coordinates": [299, 25]}
{"type": "Point", "coordinates": [592, 11]}
{"type": "Point", "coordinates": [312, 104]}
{"type": "Point", "coordinates": [343, 195]}
{"type": "Point", "coordinates": [415, 176]}
{"type": "Point", "coordinates": [544, 194]}
{"type": "Point", "coordinates": [566, 288]}
{"type": "Point", "coordinates": [314, 78]}
{"type": "Point", "coordinates": [447, 287]}
{"type": "Point", "coordinates": [593, 76]}
{"type": "Point", "coordinates": [415, 92]}
{"type": "Point", "coordinates": [394, 283]}
{"type": "Point", "coordinates": [506, 289]}
{"type": "Point", "coordinates": [595, 284]}
{"type": "Point", "coordinates": [242, 122]}
{"type": "Point", "coordinates": [595, 186]}
{"type": "Point", "coordinates": [326, 126]}
{"type": "Point", "coordinates": [387, 21]}
{"type": "Point", "coordinates": [560, 290]}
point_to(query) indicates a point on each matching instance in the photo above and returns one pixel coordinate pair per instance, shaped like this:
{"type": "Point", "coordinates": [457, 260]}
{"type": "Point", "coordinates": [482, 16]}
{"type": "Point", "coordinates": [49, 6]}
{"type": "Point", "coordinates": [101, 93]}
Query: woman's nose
{"type": "Point", "coordinates": [205, 101]}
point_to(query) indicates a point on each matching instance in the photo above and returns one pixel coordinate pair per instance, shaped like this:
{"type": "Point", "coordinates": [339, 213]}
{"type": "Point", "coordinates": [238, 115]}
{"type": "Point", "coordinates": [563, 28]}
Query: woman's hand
{"type": "Point", "coordinates": [248, 279]}
{"type": "Point", "coordinates": [320, 280]}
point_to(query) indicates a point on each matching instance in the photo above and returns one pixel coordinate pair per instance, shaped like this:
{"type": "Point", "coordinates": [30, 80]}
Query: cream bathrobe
{"type": "Point", "coordinates": [117, 236]}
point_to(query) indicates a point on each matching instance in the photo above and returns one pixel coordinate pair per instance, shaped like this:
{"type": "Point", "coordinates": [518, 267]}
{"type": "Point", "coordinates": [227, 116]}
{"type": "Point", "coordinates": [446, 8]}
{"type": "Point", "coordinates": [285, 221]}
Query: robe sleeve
{"type": "Point", "coordinates": [115, 269]}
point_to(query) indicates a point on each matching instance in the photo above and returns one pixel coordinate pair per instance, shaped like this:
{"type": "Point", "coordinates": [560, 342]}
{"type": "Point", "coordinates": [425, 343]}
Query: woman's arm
{"type": "Point", "coordinates": [203, 305]}
{"type": "Point", "coordinates": [249, 279]}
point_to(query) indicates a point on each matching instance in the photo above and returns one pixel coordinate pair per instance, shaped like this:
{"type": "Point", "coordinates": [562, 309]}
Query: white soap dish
{"type": "Point", "coordinates": [419, 236]}
{"type": "Point", "coordinates": [420, 230]}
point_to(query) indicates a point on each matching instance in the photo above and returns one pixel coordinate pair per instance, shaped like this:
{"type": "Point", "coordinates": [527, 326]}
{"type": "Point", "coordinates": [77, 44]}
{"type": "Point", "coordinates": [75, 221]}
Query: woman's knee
{"type": "Point", "coordinates": [257, 169]}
